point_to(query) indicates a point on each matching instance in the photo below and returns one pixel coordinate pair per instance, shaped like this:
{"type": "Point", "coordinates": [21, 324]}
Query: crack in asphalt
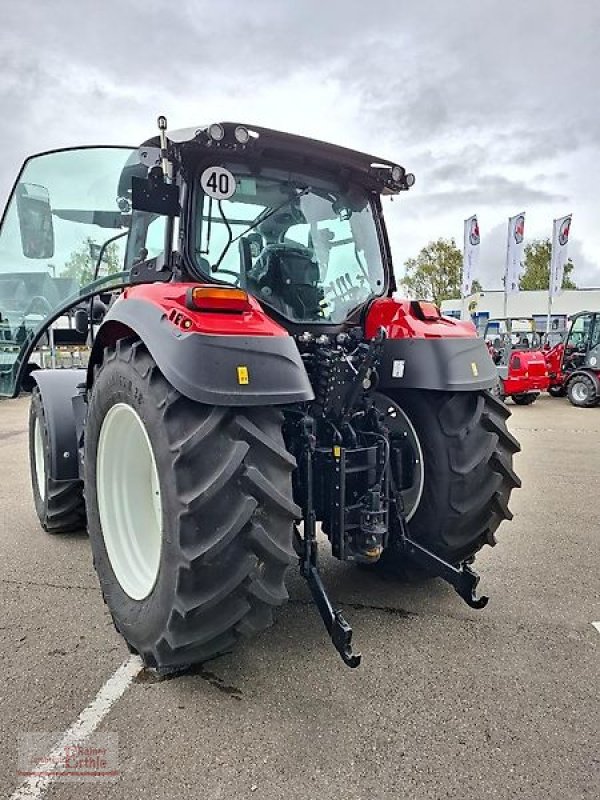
{"type": "Point", "coordinates": [46, 585]}
{"type": "Point", "coordinates": [555, 430]}
{"type": "Point", "coordinates": [151, 676]}
{"type": "Point", "coordinates": [9, 434]}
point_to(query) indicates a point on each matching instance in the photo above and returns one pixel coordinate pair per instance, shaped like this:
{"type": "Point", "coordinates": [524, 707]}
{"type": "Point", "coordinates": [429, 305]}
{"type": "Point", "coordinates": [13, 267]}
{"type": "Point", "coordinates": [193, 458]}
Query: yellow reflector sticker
{"type": "Point", "coordinates": [474, 369]}
{"type": "Point", "coordinates": [337, 451]}
{"type": "Point", "coordinates": [242, 376]}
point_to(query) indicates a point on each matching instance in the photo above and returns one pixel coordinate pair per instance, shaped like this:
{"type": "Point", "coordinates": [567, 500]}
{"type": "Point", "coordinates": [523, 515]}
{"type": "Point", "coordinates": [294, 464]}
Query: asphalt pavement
{"type": "Point", "coordinates": [448, 702]}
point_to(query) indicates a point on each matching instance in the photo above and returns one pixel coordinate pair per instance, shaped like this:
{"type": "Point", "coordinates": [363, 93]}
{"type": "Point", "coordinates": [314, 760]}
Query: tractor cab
{"type": "Point", "coordinates": [574, 364]}
{"type": "Point", "coordinates": [294, 222]}
{"type": "Point", "coordinates": [516, 348]}
{"type": "Point", "coordinates": [582, 345]}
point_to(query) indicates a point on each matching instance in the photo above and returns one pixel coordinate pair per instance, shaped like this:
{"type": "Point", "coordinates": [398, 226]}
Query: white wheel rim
{"type": "Point", "coordinates": [579, 391]}
{"type": "Point", "coordinates": [38, 457]}
{"type": "Point", "coordinates": [399, 423]}
{"type": "Point", "coordinates": [129, 500]}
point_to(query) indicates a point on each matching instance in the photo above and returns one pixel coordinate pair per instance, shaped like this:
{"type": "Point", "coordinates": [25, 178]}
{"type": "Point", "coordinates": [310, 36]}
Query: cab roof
{"type": "Point", "coordinates": [266, 143]}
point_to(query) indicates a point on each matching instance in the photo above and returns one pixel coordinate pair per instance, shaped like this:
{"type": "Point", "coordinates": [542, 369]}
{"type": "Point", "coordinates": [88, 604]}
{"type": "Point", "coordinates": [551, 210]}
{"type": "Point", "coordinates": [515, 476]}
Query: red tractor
{"type": "Point", "coordinates": [252, 374]}
{"type": "Point", "coordinates": [515, 348]}
{"type": "Point", "coordinates": [574, 364]}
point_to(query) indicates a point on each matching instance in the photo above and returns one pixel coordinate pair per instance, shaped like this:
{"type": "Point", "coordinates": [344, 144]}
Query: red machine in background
{"type": "Point", "coordinates": [574, 364]}
{"type": "Point", "coordinates": [515, 348]}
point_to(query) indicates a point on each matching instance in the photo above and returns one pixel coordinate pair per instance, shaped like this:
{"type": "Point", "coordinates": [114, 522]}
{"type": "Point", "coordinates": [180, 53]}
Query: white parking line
{"type": "Point", "coordinates": [597, 626]}
{"type": "Point", "coordinates": [85, 724]}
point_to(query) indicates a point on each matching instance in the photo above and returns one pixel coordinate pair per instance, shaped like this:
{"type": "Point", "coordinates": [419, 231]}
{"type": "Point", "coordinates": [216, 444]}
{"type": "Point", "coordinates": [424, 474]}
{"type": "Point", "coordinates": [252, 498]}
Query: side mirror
{"type": "Point", "coordinates": [35, 220]}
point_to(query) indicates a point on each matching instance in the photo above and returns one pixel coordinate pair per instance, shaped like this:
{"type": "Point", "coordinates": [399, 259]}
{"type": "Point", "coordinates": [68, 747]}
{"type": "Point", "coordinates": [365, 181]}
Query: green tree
{"type": "Point", "coordinates": [536, 271]}
{"type": "Point", "coordinates": [476, 287]}
{"type": "Point", "coordinates": [435, 274]}
{"type": "Point", "coordinates": [82, 262]}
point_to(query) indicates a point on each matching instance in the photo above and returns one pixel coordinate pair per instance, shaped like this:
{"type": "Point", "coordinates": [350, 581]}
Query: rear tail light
{"type": "Point", "coordinates": [218, 298]}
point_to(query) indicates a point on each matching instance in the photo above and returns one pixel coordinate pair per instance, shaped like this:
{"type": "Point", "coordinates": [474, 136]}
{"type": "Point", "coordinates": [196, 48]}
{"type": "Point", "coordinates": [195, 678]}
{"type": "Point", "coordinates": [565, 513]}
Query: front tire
{"type": "Point", "coordinates": [59, 504]}
{"type": "Point", "coordinates": [525, 399]}
{"type": "Point", "coordinates": [216, 492]}
{"type": "Point", "coordinates": [557, 391]}
{"type": "Point", "coordinates": [468, 454]}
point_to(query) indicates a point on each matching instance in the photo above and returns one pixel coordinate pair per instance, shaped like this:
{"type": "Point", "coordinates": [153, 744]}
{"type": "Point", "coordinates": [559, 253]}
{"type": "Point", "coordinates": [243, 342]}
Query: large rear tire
{"type": "Point", "coordinates": [192, 552]}
{"type": "Point", "coordinates": [468, 453]}
{"type": "Point", "coordinates": [59, 504]}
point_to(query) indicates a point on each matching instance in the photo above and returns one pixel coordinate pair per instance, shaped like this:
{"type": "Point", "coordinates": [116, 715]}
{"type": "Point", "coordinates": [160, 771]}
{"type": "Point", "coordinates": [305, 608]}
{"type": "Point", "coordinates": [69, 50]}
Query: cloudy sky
{"type": "Point", "coordinates": [494, 104]}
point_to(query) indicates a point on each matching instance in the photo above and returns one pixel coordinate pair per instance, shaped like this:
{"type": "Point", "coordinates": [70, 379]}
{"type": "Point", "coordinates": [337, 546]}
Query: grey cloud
{"type": "Point", "coordinates": [490, 190]}
{"type": "Point", "coordinates": [461, 92]}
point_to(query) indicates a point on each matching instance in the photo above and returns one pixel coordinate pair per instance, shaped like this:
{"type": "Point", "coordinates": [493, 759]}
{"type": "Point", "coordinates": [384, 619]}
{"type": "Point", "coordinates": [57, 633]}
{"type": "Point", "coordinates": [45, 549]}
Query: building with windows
{"type": "Point", "coordinates": [487, 305]}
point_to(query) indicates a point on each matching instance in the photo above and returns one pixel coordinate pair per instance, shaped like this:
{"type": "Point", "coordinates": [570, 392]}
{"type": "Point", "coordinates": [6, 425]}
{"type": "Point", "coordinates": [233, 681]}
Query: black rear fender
{"type": "Point", "coordinates": [450, 364]}
{"type": "Point", "coordinates": [58, 388]}
{"type": "Point", "coordinates": [216, 370]}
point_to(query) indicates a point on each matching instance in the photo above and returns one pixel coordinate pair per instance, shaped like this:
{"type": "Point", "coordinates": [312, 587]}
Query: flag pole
{"type": "Point", "coordinates": [549, 315]}
{"type": "Point", "coordinates": [505, 303]}
{"type": "Point", "coordinates": [550, 276]}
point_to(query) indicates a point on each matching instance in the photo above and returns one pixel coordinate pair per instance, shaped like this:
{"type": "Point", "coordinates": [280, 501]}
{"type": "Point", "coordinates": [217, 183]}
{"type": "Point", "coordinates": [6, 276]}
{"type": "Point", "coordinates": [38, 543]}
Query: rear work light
{"type": "Point", "coordinates": [218, 298]}
{"type": "Point", "coordinates": [425, 310]}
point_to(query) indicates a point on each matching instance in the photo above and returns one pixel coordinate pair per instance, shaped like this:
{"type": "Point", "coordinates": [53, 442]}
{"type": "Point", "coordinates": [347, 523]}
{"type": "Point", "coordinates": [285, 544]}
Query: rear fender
{"type": "Point", "coordinates": [440, 354]}
{"type": "Point", "coordinates": [213, 358]}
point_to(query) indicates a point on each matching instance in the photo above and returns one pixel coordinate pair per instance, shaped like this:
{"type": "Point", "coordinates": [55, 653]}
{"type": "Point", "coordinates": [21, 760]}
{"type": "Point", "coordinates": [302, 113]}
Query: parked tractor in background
{"type": "Point", "coordinates": [574, 364]}
{"type": "Point", "coordinates": [253, 374]}
{"type": "Point", "coordinates": [515, 348]}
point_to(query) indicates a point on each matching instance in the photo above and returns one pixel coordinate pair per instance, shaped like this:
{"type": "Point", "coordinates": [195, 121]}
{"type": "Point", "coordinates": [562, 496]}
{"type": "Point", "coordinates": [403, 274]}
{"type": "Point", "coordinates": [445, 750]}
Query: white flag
{"type": "Point", "coordinates": [514, 253]}
{"type": "Point", "coordinates": [470, 254]}
{"type": "Point", "coordinates": [560, 243]}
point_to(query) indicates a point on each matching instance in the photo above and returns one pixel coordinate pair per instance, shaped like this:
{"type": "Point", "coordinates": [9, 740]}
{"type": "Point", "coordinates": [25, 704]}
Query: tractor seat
{"type": "Point", "coordinates": [288, 279]}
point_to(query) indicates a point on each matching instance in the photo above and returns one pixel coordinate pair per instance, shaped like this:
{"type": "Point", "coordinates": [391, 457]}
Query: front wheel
{"type": "Point", "coordinates": [525, 399]}
{"type": "Point", "coordinates": [582, 392]}
{"type": "Point", "coordinates": [190, 512]}
{"type": "Point", "coordinates": [467, 456]}
{"type": "Point", "coordinates": [557, 391]}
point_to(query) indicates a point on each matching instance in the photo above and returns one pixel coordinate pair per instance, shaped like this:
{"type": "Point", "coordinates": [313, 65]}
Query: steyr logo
{"type": "Point", "coordinates": [563, 234]}
{"type": "Point", "coordinates": [519, 229]}
{"type": "Point", "coordinates": [474, 232]}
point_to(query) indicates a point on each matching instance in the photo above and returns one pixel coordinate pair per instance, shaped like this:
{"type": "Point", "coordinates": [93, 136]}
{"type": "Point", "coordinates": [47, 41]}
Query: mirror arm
{"type": "Point", "coordinates": [96, 271]}
{"type": "Point", "coordinates": [103, 250]}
